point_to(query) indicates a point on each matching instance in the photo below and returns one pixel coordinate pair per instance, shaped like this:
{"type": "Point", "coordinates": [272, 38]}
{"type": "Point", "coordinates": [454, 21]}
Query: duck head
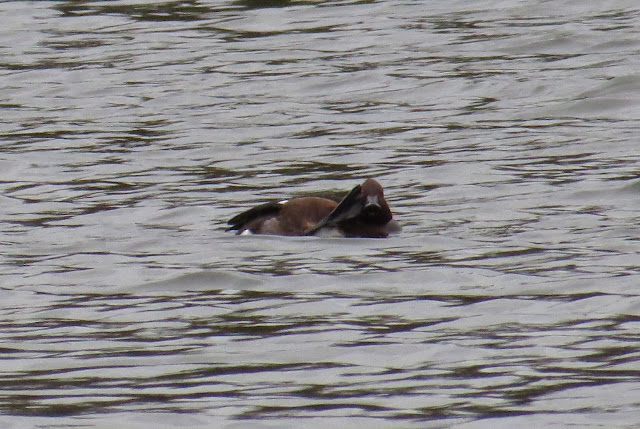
{"type": "Point", "coordinates": [374, 207]}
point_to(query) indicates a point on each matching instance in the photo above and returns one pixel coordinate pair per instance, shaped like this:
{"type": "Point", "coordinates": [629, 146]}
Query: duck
{"type": "Point", "coordinates": [363, 212]}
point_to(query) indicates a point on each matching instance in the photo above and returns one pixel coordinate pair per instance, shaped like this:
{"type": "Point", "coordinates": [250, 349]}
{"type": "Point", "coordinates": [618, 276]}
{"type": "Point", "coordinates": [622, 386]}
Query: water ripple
{"type": "Point", "coordinates": [503, 134]}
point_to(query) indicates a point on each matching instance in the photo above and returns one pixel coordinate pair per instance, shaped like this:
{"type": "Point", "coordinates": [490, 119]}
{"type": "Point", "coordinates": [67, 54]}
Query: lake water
{"type": "Point", "coordinates": [506, 135]}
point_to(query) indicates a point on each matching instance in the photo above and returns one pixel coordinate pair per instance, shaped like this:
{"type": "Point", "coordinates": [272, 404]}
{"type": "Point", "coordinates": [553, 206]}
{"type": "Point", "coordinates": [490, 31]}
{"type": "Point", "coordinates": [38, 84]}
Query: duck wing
{"type": "Point", "coordinates": [350, 206]}
{"type": "Point", "coordinates": [263, 210]}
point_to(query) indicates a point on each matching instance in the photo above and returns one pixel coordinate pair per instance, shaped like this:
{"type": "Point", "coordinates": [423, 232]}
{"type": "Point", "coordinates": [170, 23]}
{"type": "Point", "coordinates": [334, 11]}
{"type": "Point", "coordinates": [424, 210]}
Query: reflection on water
{"type": "Point", "coordinates": [504, 135]}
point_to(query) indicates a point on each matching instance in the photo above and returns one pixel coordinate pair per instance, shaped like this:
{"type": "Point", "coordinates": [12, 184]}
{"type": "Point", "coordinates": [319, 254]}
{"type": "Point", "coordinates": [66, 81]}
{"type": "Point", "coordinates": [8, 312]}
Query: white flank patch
{"type": "Point", "coordinates": [246, 232]}
{"type": "Point", "coordinates": [329, 233]}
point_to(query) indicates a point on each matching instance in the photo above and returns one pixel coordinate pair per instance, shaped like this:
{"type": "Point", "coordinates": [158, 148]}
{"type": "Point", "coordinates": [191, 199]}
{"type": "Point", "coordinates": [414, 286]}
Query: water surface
{"type": "Point", "coordinates": [505, 135]}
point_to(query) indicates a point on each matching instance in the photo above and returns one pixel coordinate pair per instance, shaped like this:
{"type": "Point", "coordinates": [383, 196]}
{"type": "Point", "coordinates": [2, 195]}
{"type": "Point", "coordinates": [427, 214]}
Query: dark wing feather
{"type": "Point", "coordinates": [350, 206]}
{"type": "Point", "coordinates": [266, 209]}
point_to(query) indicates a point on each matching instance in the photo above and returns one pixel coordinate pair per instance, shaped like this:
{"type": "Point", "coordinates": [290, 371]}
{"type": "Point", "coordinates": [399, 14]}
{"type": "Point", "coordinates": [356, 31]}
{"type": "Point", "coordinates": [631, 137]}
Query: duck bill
{"type": "Point", "coordinates": [372, 202]}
